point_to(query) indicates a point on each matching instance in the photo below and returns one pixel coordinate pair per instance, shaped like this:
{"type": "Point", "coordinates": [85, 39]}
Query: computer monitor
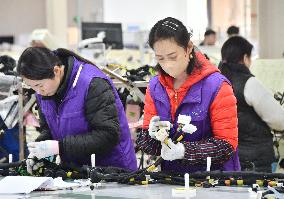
{"type": "Point", "coordinates": [7, 39]}
{"type": "Point", "coordinates": [113, 33]}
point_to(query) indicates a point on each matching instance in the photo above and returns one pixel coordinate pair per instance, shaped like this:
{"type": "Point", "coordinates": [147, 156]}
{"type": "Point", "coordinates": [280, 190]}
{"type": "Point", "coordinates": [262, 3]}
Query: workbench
{"type": "Point", "coordinates": [153, 191]}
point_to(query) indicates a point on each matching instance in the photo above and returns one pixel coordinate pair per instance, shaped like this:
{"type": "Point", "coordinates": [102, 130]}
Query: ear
{"type": "Point", "coordinates": [189, 47]}
{"type": "Point", "coordinates": [246, 60]}
{"type": "Point", "coordinates": [57, 70]}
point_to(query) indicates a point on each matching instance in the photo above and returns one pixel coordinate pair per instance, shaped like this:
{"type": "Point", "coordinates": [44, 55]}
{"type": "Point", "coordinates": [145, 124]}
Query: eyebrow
{"type": "Point", "coordinates": [37, 84]}
{"type": "Point", "coordinates": [167, 54]}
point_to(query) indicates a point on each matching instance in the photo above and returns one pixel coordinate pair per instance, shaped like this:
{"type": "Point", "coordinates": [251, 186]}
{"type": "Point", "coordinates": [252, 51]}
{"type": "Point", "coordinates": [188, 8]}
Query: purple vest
{"type": "Point", "coordinates": [69, 118]}
{"type": "Point", "coordinates": [196, 103]}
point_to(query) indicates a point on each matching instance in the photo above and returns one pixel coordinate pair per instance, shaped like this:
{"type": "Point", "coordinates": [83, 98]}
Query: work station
{"type": "Point", "coordinates": [141, 99]}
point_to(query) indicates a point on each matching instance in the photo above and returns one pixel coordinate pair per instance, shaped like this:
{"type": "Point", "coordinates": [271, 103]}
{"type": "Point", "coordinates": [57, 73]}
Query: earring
{"type": "Point", "coordinates": [190, 56]}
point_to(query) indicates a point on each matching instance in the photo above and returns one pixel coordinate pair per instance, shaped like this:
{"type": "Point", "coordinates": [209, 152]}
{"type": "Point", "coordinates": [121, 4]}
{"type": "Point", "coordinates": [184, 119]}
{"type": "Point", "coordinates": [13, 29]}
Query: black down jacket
{"type": "Point", "coordinates": [101, 114]}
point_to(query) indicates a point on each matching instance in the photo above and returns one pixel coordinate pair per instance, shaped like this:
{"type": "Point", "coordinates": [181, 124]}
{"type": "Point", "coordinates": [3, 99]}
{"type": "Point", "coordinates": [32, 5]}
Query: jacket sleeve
{"type": "Point", "coordinates": [149, 109]}
{"type": "Point", "coordinates": [224, 116]}
{"type": "Point", "coordinates": [264, 104]}
{"type": "Point", "coordinates": [144, 141]}
{"type": "Point", "coordinates": [220, 147]}
{"type": "Point", "coordinates": [101, 114]}
{"type": "Point", "coordinates": [44, 133]}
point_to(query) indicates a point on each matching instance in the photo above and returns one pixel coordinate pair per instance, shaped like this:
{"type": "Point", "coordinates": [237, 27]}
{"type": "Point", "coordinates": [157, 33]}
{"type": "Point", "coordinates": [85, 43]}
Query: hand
{"type": "Point", "coordinates": [172, 151]}
{"type": "Point", "coordinates": [156, 125]}
{"type": "Point", "coordinates": [184, 119]}
{"type": "Point", "coordinates": [153, 126]}
{"type": "Point", "coordinates": [32, 165]}
{"type": "Point", "coordinates": [161, 135]}
{"type": "Point", "coordinates": [44, 148]}
{"type": "Point", "coordinates": [189, 128]}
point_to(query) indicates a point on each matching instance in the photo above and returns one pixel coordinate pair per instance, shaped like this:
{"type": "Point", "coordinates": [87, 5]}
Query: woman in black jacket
{"type": "Point", "coordinates": [258, 111]}
{"type": "Point", "coordinates": [81, 113]}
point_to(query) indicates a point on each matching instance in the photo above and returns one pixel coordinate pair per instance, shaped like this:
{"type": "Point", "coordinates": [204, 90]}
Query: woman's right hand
{"type": "Point", "coordinates": [158, 129]}
{"type": "Point", "coordinates": [44, 149]}
{"type": "Point", "coordinates": [154, 126]}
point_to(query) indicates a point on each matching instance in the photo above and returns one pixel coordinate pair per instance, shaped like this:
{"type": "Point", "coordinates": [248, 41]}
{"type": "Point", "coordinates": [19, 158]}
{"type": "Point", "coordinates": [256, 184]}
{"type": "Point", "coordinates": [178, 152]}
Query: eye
{"type": "Point", "coordinates": [160, 58]}
{"type": "Point", "coordinates": [39, 86]}
{"type": "Point", "coordinates": [173, 58]}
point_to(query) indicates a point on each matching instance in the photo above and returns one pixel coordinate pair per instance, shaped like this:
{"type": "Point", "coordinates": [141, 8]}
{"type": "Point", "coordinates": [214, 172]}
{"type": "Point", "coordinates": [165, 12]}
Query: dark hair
{"type": "Point", "coordinates": [209, 32]}
{"type": "Point", "coordinates": [233, 30]}
{"type": "Point", "coordinates": [171, 28]}
{"type": "Point", "coordinates": [37, 63]}
{"type": "Point", "coordinates": [234, 49]}
{"type": "Point", "coordinates": [233, 52]}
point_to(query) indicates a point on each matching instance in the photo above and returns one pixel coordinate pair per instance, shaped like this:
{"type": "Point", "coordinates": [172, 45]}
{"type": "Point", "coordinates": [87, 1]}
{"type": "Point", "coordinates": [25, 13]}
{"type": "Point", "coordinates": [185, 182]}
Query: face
{"type": "Point", "coordinates": [172, 57]}
{"type": "Point", "coordinates": [47, 87]}
{"type": "Point", "coordinates": [211, 39]}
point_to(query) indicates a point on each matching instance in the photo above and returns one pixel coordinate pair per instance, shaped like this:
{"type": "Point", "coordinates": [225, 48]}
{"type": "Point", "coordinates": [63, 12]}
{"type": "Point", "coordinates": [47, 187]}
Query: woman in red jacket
{"type": "Point", "coordinates": [188, 86]}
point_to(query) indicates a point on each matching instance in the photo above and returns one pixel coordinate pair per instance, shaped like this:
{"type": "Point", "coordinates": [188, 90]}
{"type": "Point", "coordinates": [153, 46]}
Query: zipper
{"type": "Point", "coordinates": [176, 100]}
{"type": "Point", "coordinates": [67, 94]}
{"type": "Point", "coordinates": [77, 75]}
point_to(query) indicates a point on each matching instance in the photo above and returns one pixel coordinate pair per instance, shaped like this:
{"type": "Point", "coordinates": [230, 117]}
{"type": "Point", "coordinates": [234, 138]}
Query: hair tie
{"type": "Point", "coordinates": [170, 24]}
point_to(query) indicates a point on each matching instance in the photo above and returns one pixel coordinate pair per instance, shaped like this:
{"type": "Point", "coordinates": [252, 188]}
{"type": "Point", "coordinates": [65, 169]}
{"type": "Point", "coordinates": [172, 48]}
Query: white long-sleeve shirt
{"type": "Point", "coordinates": [264, 104]}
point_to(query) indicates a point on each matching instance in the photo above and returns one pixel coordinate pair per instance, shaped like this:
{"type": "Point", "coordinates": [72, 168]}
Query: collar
{"type": "Point", "coordinates": [68, 63]}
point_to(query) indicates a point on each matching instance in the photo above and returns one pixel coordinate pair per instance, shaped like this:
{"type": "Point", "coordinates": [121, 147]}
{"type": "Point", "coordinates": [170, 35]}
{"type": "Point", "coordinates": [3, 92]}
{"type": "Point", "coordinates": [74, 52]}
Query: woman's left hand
{"type": "Point", "coordinates": [172, 151]}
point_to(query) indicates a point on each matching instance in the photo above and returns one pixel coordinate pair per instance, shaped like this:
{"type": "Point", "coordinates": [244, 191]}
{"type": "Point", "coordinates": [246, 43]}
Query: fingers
{"type": "Point", "coordinates": [31, 148]}
{"type": "Point", "coordinates": [37, 166]}
{"type": "Point", "coordinates": [37, 152]}
{"type": "Point", "coordinates": [172, 151]}
{"type": "Point", "coordinates": [170, 143]}
{"type": "Point", "coordinates": [155, 126]}
{"type": "Point", "coordinates": [184, 119]}
{"type": "Point", "coordinates": [33, 165]}
{"type": "Point", "coordinates": [159, 129]}
{"type": "Point", "coordinates": [161, 135]}
{"type": "Point", "coordinates": [164, 124]}
{"type": "Point", "coordinates": [38, 149]}
{"type": "Point", "coordinates": [29, 163]}
{"type": "Point", "coordinates": [33, 151]}
{"type": "Point", "coordinates": [31, 144]}
{"type": "Point", "coordinates": [155, 119]}
{"type": "Point", "coordinates": [189, 128]}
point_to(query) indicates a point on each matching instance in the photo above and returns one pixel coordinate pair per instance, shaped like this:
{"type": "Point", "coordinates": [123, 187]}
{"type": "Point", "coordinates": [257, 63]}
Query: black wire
{"type": "Point", "coordinates": [141, 163]}
{"type": "Point", "coordinates": [11, 165]}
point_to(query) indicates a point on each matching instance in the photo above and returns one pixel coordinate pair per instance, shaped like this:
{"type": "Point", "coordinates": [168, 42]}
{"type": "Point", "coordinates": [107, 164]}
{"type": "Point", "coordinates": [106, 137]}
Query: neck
{"type": "Point", "coordinates": [180, 80]}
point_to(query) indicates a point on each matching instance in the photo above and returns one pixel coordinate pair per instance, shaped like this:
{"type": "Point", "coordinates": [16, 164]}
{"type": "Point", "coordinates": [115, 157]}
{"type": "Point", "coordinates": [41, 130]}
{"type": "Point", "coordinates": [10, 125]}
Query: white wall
{"type": "Point", "coordinates": [270, 28]}
{"type": "Point", "coordinates": [197, 17]}
{"type": "Point", "coordinates": [146, 13]}
{"type": "Point", "coordinates": [88, 10]}
{"type": "Point", "coordinates": [143, 13]}
{"type": "Point", "coordinates": [20, 17]}
{"type": "Point", "coordinates": [56, 14]}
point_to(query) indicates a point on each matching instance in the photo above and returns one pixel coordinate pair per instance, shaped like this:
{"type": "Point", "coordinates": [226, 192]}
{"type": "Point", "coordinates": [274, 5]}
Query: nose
{"type": "Point", "coordinates": [166, 64]}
